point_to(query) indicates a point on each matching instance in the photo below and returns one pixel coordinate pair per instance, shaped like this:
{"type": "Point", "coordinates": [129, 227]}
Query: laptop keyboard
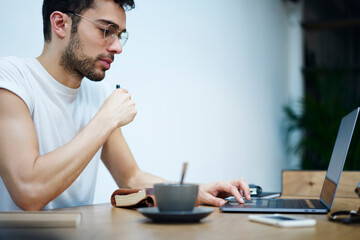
{"type": "Point", "coordinates": [287, 203]}
{"type": "Point", "coordinates": [278, 203]}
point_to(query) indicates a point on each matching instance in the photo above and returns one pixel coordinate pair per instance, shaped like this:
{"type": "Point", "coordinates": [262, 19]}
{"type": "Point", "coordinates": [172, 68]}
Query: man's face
{"type": "Point", "coordinates": [87, 53]}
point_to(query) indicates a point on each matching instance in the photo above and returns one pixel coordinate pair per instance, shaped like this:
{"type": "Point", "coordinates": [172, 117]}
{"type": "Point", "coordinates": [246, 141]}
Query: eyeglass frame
{"type": "Point", "coordinates": [345, 216]}
{"type": "Point", "coordinates": [118, 33]}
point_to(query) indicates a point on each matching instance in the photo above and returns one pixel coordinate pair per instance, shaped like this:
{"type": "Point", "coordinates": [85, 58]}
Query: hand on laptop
{"type": "Point", "coordinates": [213, 193]}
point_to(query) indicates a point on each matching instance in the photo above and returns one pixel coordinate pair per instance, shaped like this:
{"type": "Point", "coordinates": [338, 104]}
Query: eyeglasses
{"type": "Point", "coordinates": [345, 216]}
{"type": "Point", "coordinates": [111, 31]}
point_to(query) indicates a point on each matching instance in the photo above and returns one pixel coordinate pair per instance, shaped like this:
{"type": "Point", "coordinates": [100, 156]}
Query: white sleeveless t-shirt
{"type": "Point", "coordinates": [58, 114]}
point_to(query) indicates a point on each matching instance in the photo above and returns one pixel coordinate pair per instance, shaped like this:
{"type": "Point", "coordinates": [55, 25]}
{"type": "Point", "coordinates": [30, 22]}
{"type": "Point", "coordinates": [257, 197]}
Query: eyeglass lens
{"type": "Point", "coordinates": [111, 32]}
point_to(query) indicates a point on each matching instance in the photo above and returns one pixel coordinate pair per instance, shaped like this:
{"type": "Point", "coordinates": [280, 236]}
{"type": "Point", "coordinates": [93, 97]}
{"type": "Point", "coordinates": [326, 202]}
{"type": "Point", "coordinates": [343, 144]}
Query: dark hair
{"type": "Point", "coordinates": [66, 6]}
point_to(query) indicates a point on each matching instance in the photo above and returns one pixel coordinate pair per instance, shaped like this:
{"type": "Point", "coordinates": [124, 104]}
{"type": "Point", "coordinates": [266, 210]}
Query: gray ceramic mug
{"type": "Point", "coordinates": [175, 196]}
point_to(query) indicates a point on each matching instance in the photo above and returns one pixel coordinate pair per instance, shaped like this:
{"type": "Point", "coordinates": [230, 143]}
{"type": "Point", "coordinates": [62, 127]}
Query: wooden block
{"type": "Point", "coordinates": [39, 219]}
{"type": "Point", "coordinates": [309, 183]}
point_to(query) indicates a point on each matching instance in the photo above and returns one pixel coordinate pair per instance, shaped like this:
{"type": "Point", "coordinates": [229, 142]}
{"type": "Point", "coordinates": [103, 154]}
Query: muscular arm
{"type": "Point", "coordinates": [33, 180]}
{"type": "Point", "coordinates": [120, 162]}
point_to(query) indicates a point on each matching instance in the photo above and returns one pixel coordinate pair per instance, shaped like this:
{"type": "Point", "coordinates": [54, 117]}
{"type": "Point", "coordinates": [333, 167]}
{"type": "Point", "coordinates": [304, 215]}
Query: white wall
{"type": "Point", "coordinates": [209, 79]}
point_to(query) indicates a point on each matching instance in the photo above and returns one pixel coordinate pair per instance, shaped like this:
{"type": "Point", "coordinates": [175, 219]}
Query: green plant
{"type": "Point", "coordinates": [330, 95]}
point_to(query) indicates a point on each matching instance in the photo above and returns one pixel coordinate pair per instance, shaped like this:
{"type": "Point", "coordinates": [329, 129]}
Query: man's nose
{"type": "Point", "coordinates": [115, 47]}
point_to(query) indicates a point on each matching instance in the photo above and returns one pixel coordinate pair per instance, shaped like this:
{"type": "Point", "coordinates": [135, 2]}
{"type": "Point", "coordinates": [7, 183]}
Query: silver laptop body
{"type": "Point", "coordinates": [327, 196]}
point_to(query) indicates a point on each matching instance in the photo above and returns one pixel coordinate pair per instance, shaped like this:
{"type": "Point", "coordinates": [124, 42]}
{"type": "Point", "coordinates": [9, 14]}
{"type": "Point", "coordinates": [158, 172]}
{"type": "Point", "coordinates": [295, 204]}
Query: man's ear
{"type": "Point", "coordinates": [60, 23]}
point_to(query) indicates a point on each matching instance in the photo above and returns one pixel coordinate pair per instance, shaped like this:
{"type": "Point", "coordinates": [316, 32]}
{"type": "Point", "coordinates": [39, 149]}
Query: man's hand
{"type": "Point", "coordinates": [118, 108]}
{"type": "Point", "coordinates": [213, 193]}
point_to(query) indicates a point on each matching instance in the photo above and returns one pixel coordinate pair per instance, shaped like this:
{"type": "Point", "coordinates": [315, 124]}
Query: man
{"type": "Point", "coordinates": [54, 127]}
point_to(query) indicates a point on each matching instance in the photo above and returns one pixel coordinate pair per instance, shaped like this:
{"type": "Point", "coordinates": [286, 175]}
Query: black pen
{"type": "Point", "coordinates": [117, 86]}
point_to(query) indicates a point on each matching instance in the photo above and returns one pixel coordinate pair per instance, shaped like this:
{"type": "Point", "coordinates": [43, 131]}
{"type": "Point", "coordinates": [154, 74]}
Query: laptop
{"type": "Point", "coordinates": [327, 196]}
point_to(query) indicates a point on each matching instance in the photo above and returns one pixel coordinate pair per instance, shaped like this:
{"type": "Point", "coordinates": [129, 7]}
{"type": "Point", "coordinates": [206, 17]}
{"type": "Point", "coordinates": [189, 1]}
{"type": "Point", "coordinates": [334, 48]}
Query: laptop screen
{"type": "Point", "coordinates": [338, 157]}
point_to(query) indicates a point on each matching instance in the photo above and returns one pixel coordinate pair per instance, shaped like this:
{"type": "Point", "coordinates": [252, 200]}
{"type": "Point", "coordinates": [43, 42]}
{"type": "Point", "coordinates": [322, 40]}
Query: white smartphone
{"type": "Point", "coordinates": [281, 220]}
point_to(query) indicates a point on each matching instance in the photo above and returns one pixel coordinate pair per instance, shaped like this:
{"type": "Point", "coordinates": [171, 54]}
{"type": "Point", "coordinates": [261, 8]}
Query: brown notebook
{"type": "Point", "coordinates": [133, 198]}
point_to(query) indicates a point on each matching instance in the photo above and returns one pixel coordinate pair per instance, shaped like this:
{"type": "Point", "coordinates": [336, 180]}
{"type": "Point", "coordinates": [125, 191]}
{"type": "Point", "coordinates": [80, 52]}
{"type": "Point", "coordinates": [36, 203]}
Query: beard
{"type": "Point", "coordinates": [79, 64]}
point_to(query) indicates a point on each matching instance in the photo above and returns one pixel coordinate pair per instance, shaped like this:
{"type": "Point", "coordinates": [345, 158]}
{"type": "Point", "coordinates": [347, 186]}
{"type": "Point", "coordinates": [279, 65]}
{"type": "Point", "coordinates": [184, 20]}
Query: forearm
{"type": "Point", "coordinates": [120, 162]}
{"type": "Point", "coordinates": [144, 180]}
{"type": "Point", "coordinates": [45, 177]}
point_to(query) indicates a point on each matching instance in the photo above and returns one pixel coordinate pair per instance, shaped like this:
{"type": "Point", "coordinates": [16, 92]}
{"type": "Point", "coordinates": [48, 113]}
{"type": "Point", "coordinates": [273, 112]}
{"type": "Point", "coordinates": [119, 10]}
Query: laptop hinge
{"type": "Point", "coordinates": [325, 204]}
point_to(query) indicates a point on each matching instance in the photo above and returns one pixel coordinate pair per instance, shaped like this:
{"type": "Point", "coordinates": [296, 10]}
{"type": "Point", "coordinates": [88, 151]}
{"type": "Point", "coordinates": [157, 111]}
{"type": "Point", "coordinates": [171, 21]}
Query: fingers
{"type": "Point", "coordinates": [124, 93]}
{"type": "Point", "coordinates": [122, 90]}
{"type": "Point", "coordinates": [119, 108]}
{"type": "Point", "coordinates": [244, 187]}
{"type": "Point", "coordinates": [212, 200]}
{"type": "Point", "coordinates": [234, 187]}
{"type": "Point", "coordinates": [237, 188]}
{"type": "Point", "coordinates": [235, 192]}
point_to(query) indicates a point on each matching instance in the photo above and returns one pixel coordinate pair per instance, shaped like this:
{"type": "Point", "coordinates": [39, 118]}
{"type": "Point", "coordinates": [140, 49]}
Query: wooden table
{"type": "Point", "coordinates": [106, 222]}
